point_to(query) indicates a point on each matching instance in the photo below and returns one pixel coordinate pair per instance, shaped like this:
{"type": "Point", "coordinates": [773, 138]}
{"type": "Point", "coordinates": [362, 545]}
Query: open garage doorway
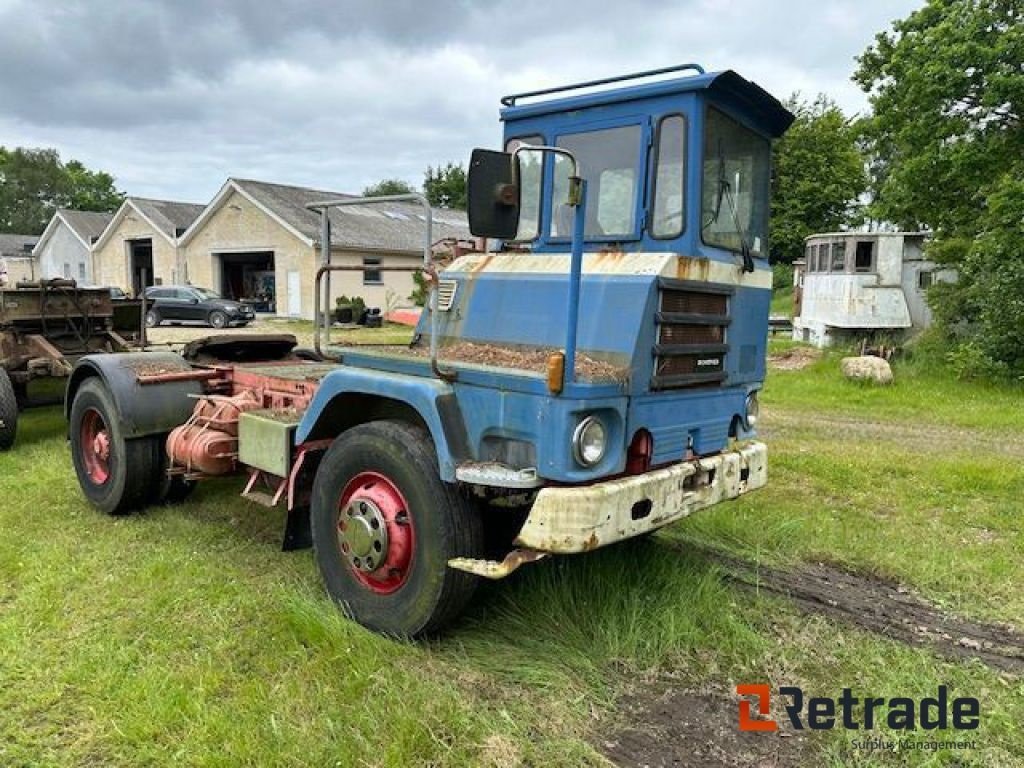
{"type": "Point", "coordinates": [140, 261]}
{"type": "Point", "coordinates": [248, 277]}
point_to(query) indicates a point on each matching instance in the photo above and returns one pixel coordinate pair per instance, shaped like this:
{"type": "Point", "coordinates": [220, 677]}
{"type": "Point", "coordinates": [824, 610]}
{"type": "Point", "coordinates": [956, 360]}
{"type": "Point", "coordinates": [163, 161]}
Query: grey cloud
{"type": "Point", "coordinates": [172, 96]}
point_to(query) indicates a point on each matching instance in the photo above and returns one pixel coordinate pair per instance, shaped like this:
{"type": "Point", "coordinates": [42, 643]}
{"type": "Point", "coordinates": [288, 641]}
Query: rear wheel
{"type": "Point", "coordinates": [8, 412]}
{"type": "Point", "coordinates": [152, 318]}
{"type": "Point", "coordinates": [116, 475]}
{"type": "Point", "coordinates": [218, 319]}
{"type": "Point", "coordinates": [384, 527]}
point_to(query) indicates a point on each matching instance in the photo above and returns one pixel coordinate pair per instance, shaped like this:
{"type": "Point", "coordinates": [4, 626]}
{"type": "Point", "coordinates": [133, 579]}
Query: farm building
{"type": "Point", "coordinates": [259, 243]}
{"type": "Point", "coordinates": [65, 248]}
{"type": "Point", "coordinates": [855, 283]}
{"type": "Point", "coordinates": [140, 245]}
{"type": "Point", "coordinates": [16, 261]}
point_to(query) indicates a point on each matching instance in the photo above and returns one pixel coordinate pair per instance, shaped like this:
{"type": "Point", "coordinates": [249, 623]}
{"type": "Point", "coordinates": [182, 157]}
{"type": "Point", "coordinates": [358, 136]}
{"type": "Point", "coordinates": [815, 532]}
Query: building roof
{"type": "Point", "coordinates": [171, 218]}
{"type": "Point", "coordinates": [397, 227]}
{"type": "Point", "coordinates": [86, 224]}
{"type": "Point", "coordinates": [15, 245]}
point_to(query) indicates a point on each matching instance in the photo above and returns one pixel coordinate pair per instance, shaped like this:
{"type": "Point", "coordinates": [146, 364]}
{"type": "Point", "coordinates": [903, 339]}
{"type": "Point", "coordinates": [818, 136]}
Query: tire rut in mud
{"type": "Point", "coordinates": [880, 606]}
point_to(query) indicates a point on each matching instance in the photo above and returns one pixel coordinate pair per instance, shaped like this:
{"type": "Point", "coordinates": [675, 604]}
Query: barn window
{"type": "Point", "coordinates": [371, 274]}
{"type": "Point", "coordinates": [81, 271]}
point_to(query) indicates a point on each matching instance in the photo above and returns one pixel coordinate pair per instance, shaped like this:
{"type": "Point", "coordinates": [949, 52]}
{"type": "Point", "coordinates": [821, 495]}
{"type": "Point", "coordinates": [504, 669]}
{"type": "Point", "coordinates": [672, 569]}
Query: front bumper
{"type": "Point", "coordinates": [578, 519]}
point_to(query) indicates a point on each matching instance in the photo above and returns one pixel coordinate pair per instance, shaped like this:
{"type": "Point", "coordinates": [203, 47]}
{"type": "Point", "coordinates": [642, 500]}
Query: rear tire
{"type": "Point", "coordinates": [218, 319]}
{"type": "Point", "coordinates": [8, 412]}
{"type": "Point", "coordinates": [390, 467]}
{"type": "Point", "coordinates": [152, 318]}
{"type": "Point", "coordinates": [117, 475]}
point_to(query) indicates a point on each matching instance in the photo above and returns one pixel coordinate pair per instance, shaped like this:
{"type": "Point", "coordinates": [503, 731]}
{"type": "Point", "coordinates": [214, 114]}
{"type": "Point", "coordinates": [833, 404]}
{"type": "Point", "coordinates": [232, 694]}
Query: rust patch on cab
{"type": "Point", "coordinates": [690, 268]}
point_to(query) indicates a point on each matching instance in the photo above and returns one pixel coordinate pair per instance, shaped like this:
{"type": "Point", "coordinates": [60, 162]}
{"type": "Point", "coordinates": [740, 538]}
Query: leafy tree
{"type": "Point", "coordinates": [446, 187]}
{"type": "Point", "coordinates": [90, 190]}
{"type": "Point", "coordinates": [34, 183]}
{"type": "Point", "coordinates": [819, 175]}
{"type": "Point", "coordinates": [388, 187]}
{"type": "Point", "coordinates": [947, 89]}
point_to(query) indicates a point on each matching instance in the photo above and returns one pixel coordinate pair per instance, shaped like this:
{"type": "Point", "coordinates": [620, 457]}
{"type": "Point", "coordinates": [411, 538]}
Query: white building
{"type": "Point", "coordinates": [65, 247]}
{"type": "Point", "coordinates": [852, 284]}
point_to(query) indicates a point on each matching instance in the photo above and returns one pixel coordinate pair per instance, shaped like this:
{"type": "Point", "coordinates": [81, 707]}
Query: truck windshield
{"type": "Point", "coordinates": [609, 160]}
{"type": "Point", "coordinates": [734, 205]}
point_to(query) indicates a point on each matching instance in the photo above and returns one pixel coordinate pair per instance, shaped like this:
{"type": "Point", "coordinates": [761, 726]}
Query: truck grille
{"type": "Point", "coordinates": [691, 344]}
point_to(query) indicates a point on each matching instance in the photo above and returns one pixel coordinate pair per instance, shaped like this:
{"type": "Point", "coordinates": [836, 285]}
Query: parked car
{"type": "Point", "coordinates": [187, 303]}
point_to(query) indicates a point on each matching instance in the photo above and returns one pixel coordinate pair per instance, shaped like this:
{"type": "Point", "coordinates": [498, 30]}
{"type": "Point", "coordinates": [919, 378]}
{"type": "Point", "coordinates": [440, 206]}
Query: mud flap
{"type": "Point", "coordinates": [297, 531]}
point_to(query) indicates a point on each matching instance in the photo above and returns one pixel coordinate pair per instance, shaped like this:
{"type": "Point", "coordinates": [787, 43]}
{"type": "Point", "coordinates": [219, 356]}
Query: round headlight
{"type": "Point", "coordinates": [753, 410]}
{"type": "Point", "coordinates": [589, 441]}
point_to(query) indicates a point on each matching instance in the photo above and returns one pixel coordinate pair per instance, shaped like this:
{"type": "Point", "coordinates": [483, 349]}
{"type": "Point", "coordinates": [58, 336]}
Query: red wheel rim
{"type": "Point", "coordinates": [375, 532]}
{"type": "Point", "coordinates": [94, 442]}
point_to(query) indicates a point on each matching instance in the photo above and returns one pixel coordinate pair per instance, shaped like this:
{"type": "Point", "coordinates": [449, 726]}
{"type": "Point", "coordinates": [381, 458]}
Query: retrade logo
{"type": "Point", "coordinates": [822, 713]}
{"type": "Point", "coordinates": [748, 723]}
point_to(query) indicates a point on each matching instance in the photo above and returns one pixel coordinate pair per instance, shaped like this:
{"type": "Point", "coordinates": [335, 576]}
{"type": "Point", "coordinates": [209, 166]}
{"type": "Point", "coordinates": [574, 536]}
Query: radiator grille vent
{"type": "Point", "coordinates": [692, 320]}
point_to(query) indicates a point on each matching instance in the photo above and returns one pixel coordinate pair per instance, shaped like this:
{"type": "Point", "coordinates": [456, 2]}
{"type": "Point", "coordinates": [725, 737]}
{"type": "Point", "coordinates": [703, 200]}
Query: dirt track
{"type": "Point", "coordinates": [671, 725]}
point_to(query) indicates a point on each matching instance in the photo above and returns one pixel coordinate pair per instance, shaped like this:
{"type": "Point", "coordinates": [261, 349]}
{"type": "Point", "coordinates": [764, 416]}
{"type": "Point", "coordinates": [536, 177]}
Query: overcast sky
{"type": "Point", "coordinates": [173, 96]}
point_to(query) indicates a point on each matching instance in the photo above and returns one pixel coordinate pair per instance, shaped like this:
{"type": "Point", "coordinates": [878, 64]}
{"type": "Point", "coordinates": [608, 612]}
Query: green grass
{"type": "Point", "coordinates": [184, 636]}
{"type": "Point", "coordinates": [782, 301]}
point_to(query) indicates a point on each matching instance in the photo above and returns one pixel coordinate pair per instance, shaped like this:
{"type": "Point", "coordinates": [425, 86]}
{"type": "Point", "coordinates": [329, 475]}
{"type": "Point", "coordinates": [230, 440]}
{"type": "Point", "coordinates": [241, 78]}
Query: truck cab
{"type": "Point", "coordinates": [589, 377]}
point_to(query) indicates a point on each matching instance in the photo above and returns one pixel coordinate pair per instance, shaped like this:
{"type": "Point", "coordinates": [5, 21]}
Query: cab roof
{"type": "Point", "coordinates": [726, 85]}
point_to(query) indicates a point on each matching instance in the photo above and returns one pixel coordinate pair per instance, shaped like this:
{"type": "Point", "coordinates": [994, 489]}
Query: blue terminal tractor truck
{"type": "Point", "coordinates": [589, 377]}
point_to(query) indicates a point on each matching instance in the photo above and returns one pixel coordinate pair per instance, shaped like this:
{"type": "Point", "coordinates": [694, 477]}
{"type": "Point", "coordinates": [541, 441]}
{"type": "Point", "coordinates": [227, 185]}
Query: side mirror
{"type": "Point", "coordinates": [493, 195]}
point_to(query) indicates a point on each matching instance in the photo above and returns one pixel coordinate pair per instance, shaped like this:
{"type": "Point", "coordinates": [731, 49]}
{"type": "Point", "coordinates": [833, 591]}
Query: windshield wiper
{"type": "Point", "coordinates": [748, 260]}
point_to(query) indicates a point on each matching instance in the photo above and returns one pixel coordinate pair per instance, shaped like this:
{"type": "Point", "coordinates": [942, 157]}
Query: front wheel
{"type": "Point", "coordinates": [218, 319]}
{"type": "Point", "coordinates": [384, 527]}
{"type": "Point", "coordinates": [8, 412]}
{"type": "Point", "coordinates": [116, 475]}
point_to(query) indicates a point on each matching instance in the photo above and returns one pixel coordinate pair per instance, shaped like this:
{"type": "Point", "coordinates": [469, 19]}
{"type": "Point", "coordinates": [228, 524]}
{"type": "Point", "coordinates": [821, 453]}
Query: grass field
{"type": "Point", "coordinates": [183, 636]}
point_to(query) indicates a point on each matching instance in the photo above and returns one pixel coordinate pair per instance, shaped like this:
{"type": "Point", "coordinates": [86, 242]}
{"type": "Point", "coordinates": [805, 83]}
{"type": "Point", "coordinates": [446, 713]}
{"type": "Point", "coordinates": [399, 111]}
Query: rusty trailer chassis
{"type": "Point", "coordinates": [45, 328]}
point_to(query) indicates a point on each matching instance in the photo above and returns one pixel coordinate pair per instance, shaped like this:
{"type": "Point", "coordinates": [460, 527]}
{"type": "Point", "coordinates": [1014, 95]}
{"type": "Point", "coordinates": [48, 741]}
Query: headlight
{"type": "Point", "coordinates": [589, 441]}
{"type": "Point", "coordinates": [231, 310]}
{"type": "Point", "coordinates": [753, 411]}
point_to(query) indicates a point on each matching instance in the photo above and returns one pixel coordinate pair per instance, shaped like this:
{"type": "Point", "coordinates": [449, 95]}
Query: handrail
{"type": "Point", "coordinates": [326, 267]}
{"type": "Point", "coordinates": [510, 101]}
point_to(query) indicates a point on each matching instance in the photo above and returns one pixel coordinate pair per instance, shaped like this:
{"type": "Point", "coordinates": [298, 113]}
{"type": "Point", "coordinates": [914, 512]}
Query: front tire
{"type": "Point", "coordinates": [218, 319]}
{"type": "Point", "coordinates": [384, 527]}
{"type": "Point", "coordinates": [116, 475]}
{"type": "Point", "coordinates": [8, 412]}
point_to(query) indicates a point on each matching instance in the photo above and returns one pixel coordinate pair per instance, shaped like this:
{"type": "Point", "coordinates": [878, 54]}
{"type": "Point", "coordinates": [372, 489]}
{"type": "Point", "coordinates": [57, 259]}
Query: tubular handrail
{"type": "Point", "coordinates": [326, 267]}
{"type": "Point", "coordinates": [510, 100]}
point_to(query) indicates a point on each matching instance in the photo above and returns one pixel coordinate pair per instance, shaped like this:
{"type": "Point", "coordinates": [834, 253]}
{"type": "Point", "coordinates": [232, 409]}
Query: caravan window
{"type": "Point", "coordinates": [839, 256]}
{"type": "Point", "coordinates": [865, 257]}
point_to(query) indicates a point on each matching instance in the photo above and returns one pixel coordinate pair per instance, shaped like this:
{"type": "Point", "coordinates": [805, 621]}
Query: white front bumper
{"type": "Point", "coordinates": [578, 519]}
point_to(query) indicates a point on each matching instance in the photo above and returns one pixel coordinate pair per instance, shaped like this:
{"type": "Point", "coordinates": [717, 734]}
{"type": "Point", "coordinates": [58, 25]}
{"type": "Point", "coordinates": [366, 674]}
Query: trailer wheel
{"type": "Point", "coordinates": [8, 412]}
{"type": "Point", "coordinates": [384, 527]}
{"type": "Point", "coordinates": [116, 475]}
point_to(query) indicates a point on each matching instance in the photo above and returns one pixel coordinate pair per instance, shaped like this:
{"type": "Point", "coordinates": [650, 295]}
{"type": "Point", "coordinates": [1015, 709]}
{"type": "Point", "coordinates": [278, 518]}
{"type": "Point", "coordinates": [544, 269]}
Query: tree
{"type": "Point", "coordinates": [388, 187]}
{"type": "Point", "coordinates": [947, 89]}
{"type": "Point", "coordinates": [446, 187]}
{"type": "Point", "coordinates": [34, 183]}
{"type": "Point", "coordinates": [819, 175]}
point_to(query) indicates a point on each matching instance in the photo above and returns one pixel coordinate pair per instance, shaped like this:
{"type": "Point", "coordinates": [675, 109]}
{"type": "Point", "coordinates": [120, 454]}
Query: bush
{"type": "Point", "coordinates": [356, 303]}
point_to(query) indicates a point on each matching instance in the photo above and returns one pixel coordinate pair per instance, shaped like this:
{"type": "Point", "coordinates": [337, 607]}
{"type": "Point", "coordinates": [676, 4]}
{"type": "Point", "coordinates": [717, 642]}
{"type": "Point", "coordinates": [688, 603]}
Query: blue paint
{"type": "Point", "coordinates": [575, 270]}
{"type": "Point", "coordinates": [615, 320]}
